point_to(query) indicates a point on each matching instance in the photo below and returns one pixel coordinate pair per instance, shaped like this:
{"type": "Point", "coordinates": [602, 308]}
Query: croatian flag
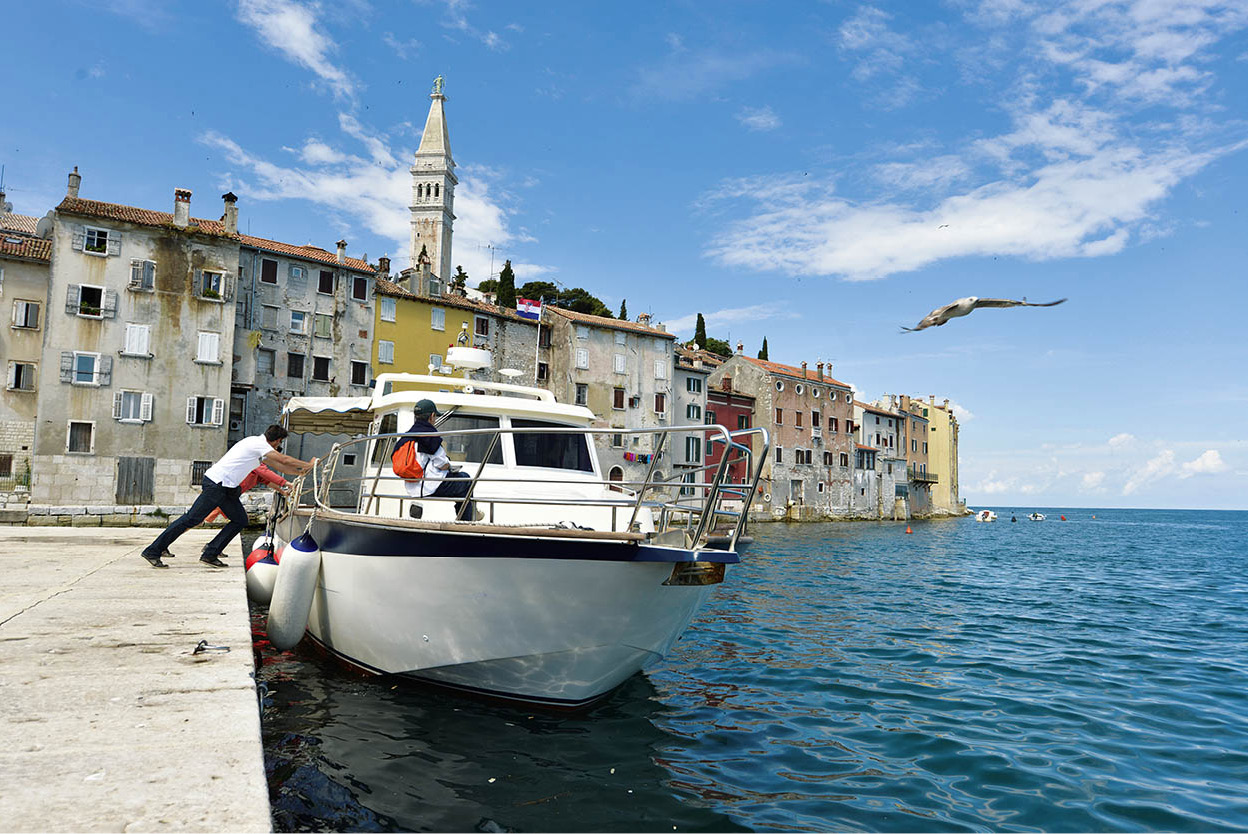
{"type": "Point", "coordinates": [528, 308]}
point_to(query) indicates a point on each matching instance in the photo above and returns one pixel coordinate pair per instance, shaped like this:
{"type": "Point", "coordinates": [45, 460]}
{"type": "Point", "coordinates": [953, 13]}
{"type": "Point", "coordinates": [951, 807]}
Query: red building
{"type": "Point", "coordinates": [732, 410]}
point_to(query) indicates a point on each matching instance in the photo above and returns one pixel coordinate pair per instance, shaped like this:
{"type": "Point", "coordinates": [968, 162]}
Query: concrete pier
{"type": "Point", "coordinates": [108, 720]}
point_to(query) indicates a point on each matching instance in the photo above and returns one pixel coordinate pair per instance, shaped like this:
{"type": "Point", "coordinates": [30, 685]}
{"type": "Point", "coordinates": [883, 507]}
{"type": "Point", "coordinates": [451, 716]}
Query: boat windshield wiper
{"type": "Point", "coordinates": [445, 415]}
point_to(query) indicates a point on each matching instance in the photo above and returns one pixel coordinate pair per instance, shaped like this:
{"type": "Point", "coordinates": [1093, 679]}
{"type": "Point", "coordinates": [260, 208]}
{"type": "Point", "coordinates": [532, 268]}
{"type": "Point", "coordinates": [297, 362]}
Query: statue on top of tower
{"type": "Point", "coordinates": [437, 85]}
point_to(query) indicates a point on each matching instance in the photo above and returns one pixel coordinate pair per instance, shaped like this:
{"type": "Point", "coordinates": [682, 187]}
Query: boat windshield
{"type": "Point", "coordinates": [555, 451]}
{"type": "Point", "coordinates": [471, 448]}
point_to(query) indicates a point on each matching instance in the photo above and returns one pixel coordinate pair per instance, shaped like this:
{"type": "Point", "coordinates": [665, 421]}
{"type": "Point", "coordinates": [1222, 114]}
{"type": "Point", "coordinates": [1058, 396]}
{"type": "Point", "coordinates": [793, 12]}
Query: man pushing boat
{"type": "Point", "coordinates": [221, 490]}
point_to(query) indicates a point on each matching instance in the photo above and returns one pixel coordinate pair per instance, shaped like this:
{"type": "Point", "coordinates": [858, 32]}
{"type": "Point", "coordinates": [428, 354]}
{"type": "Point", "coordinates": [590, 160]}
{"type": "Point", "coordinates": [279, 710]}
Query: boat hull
{"type": "Point", "coordinates": [559, 623]}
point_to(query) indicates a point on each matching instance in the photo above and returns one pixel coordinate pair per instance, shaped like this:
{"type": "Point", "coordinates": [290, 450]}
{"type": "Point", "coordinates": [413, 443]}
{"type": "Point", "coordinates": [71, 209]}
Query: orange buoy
{"type": "Point", "coordinates": [908, 530]}
{"type": "Point", "coordinates": [1063, 518]}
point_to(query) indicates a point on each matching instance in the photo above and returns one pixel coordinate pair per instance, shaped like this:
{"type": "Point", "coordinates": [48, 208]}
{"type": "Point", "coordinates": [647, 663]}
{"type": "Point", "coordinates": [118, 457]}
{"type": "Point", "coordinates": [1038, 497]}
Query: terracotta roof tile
{"type": "Point", "coordinates": [21, 223]}
{"type": "Point", "coordinates": [877, 409]}
{"type": "Point", "coordinates": [387, 287]}
{"type": "Point", "coordinates": [866, 447]}
{"type": "Point", "coordinates": [310, 253]}
{"type": "Point", "coordinates": [137, 216]}
{"type": "Point", "coordinates": [615, 324]}
{"type": "Point", "coordinates": [31, 248]}
{"type": "Point", "coordinates": [789, 370]}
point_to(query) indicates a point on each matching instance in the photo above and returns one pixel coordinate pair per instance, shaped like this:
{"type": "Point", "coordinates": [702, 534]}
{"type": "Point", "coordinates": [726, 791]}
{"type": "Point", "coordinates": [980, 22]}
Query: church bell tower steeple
{"type": "Point", "coordinates": [433, 190]}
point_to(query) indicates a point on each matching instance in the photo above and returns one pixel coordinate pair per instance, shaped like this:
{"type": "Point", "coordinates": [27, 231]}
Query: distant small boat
{"type": "Point", "coordinates": [1036, 516]}
{"type": "Point", "coordinates": [985, 515]}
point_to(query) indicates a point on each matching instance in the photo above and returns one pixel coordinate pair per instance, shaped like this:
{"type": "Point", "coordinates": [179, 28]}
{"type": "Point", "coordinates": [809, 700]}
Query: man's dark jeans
{"type": "Point", "coordinates": [455, 485]}
{"type": "Point", "coordinates": [213, 496]}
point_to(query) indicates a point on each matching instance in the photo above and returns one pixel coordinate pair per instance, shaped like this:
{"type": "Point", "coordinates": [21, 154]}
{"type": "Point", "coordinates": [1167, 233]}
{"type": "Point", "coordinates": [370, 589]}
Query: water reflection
{"type": "Point", "coordinates": [372, 754]}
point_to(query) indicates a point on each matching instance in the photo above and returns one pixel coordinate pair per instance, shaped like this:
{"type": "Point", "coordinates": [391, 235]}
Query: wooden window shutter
{"type": "Point", "coordinates": [104, 371]}
{"type": "Point", "coordinates": [114, 243]}
{"type": "Point", "coordinates": [15, 308]}
{"type": "Point", "coordinates": [12, 383]}
{"type": "Point", "coordinates": [190, 410]}
{"type": "Point", "coordinates": [110, 304]}
{"type": "Point", "coordinates": [198, 287]}
{"type": "Point", "coordinates": [227, 286]}
{"type": "Point", "coordinates": [73, 298]}
{"type": "Point", "coordinates": [79, 238]}
{"type": "Point", "coordinates": [117, 405]}
{"type": "Point", "coordinates": [145, 408]}
{"type": "Point", "coordinates": [67, 366]}
{"type": "Point", "coordinates": [218, 411]}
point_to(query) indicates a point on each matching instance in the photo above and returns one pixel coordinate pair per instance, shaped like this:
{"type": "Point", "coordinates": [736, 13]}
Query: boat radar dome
{"type": "Point", "coordinates": [472, 359]}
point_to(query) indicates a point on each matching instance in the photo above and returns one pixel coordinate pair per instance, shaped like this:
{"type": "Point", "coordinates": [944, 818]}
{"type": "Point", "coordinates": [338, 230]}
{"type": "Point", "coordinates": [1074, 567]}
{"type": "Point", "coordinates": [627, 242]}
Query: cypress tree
{"type": "Point", "coordinates": [624, 310]}
{"type": "Point", "coordinates": [507, 287]}
{"type": "Point", "coordinates": [762, 353]}
{"type": "Point", "coordinates": [699, 332]}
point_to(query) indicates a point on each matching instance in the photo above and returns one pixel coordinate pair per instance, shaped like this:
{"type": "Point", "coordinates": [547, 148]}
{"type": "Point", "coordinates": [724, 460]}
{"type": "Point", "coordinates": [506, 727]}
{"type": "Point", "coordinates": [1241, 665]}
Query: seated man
{"type": "Point", "coordinates": [440, 480]}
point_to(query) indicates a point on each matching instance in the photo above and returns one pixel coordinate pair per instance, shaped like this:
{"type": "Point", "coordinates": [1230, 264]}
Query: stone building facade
{"type": "Point", "coordinates": [24, 272]}
{"type": "Point", "coordinates": [433, 190]}
{"type": "Point", "coordinates": [620, 370]}
{"type": "Point", "coordinates": [303, 327]}
{"type": "Point", "coordinates": [689, 394]}
{"type": "Point", "coordinates": [135, 378]}
{"type": "Point", "coordinates": [809, 473]}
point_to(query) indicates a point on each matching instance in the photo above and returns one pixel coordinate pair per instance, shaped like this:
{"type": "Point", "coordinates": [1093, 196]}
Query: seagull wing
{"type": "Point", "coordinates": [1009, 302]}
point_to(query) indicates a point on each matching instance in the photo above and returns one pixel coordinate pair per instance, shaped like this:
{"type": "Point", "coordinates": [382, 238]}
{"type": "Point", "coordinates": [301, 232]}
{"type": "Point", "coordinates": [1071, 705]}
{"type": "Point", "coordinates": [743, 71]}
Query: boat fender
{"type": "Point", "coordinates": [261, 568]}
{"type": "Point", "coordinates": [292, 592]}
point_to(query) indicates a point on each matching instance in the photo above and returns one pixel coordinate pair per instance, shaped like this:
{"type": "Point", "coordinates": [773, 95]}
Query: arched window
{"type": "Point", "coordinates": [616, 474]}
{"type": "Point", "coordinates": [420, 192]}
{"type": "Point", "coordinates": [437, 190]}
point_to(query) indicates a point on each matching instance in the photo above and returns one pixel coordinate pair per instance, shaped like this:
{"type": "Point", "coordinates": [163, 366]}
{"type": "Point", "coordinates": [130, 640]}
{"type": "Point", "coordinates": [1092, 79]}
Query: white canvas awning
{"type": "Point", "coordinates": [328, 415]}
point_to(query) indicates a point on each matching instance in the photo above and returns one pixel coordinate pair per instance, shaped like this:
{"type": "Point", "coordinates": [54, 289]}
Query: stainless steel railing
{"type": "Point", "coordinates": [698, 517]}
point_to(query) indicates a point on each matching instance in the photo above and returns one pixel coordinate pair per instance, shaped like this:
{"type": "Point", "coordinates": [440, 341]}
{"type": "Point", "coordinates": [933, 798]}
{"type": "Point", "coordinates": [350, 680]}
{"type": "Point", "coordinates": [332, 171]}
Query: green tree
{"type": "Point", "coordinates": [537, 290]}
{"type": "Point", "coordinates": [488, 285]}
{"type": "Point", "coordinates": [582, 301]}
{"type": "Point", "coordinates": [699, 332]}
{"type": "Point", "coordinates": [459, 281]}
{"type": "Point", "coordinates": [717, 346]}
{"type": "Point", "coordinates": [762, 353]}
{"type": "Point", "coordinates": [506, 287]}
{"type": "Point", "coordinates": [624, 310]}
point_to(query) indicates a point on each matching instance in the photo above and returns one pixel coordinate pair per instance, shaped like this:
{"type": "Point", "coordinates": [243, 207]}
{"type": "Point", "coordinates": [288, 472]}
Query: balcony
{"type": "Point", "coordinates": [918, 477]}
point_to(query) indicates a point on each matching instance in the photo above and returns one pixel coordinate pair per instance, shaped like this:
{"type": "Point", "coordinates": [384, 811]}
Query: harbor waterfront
{"type": "Point", "coordinates": [1086, 675]}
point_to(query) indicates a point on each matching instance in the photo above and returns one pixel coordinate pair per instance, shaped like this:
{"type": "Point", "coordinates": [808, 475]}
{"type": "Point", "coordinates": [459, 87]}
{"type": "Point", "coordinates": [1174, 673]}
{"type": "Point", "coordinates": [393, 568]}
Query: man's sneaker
{"type": "Point", "coordinates": [477, 515]}
{"type": "Point", "coordinates": [154, 561]}
{"type": "Point", "coordinates": [167, 555]}
{"type": "Point", "coordinates": [213, 561]}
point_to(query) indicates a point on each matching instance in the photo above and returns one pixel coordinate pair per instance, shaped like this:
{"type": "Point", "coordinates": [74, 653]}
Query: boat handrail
{"type": "Point", "coordinates": [706, 508]}
{"type": "Point", "coordinates": [384, 385]}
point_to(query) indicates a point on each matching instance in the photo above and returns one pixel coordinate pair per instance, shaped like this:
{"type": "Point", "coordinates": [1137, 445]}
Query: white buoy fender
{"type": "Point", "coordinates": [262, 570]}
{"type": "Point", "coordinates": [292, 592]}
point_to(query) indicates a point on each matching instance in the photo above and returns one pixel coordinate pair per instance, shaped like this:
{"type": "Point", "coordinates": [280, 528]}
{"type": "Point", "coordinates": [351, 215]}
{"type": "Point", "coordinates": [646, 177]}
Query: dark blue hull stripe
{"type": "Point", "coordinates": [369, 540]}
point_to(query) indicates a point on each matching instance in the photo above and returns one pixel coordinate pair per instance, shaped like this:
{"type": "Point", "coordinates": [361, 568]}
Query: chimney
{"type": "Point", "coordinates": [946, 405]}
{"type": "Point", "coordinates": [342, 251]}
{"type": "Point", "coordinates": [181, 207]}
{"type": "Point", "coordinates": [644, 319]}
{"type": "Point", "coordinates": [931, 398]}
{"type": "Point", "coordinates": [819, 366]}
{"type": "Point", "coordinates": [740, 348]}
{"type": "Point", "coordinates": [75, 180]}
{"type": "Point", "coordinates": [383, 266]}
{"type": "Point", "coordinates": [803, 370]}
{"type": "Point", "coordinates": [230, 218]}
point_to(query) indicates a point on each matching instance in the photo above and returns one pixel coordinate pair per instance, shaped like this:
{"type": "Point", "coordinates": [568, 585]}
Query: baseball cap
{"type": "Point", "coordinates": [426, 407]}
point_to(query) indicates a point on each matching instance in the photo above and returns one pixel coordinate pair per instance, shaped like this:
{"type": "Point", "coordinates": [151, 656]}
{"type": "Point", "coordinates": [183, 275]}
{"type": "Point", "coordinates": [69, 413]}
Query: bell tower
{"type": "Point", "coordinates": [433, 190]}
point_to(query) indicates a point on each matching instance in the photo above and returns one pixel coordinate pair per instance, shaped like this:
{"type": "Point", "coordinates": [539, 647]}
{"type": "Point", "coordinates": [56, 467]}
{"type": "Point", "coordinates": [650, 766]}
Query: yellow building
{"type": "Point", "coordinates": [943, 456]}
{"type": "Point", "coordinates": [412, 332]}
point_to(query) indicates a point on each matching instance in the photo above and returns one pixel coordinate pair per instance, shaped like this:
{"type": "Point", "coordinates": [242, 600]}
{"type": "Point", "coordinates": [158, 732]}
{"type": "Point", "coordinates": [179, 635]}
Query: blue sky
{"type": "Point", "coordinates": [816, 173]}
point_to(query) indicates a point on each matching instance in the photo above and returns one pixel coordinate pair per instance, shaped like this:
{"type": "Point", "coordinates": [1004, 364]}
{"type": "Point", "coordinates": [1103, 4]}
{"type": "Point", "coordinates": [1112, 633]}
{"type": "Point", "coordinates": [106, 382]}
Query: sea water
{"type": "Point", "coordinates": [1080, 675]}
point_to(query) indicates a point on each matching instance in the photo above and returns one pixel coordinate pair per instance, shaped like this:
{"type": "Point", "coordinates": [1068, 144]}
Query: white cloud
{"type": "Point", "coordinates": [404, 49]}
{"type": "Point", "coordinates": [1154, 470]}
{"type": "Point", "coordinates": [756, 312]}
{"type": "Point", "coordinates": [457, 20]}
{"type": "Point", "coordinates": [1087, 160]}
{"type": "Point", "coordinates": [292, 29]}
{"type": "Point", "coordinates": [1092, 481]}
{"type": "Point", "coordinates": [684, 74]}
{"type": "Point", "coordinates": [961, 412]}
{"type": "Point", "coordinates": [1209, 463]}
{"type": "Point", "coordinates": [1121, 441]}
{"type": "Point", "coordinates": [372, 191]}
{"type": "Point", "coordinates": [758, 118]}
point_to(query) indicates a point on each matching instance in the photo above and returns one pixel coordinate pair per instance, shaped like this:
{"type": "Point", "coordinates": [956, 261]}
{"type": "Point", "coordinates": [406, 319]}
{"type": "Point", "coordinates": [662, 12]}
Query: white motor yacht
{"type": "Point", "coordinates": [566, 586]}
{"type": "Point", "coordinates": [985, 515]}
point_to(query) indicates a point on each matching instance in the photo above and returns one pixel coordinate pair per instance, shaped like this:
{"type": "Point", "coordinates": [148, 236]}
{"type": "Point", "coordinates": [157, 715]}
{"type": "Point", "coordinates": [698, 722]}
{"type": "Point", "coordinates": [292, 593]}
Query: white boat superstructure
{"type": "Point", "coordinates": [1036, 517]}
{"type": "Point", "coordinates": [985, 515]}
{"type": "Point", "coordinates": [567, 585]}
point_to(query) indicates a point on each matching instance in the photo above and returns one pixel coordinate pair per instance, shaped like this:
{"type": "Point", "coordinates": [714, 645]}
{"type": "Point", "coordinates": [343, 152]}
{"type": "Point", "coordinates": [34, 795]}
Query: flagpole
{"type": "Point", "coordinates": [537, 349]}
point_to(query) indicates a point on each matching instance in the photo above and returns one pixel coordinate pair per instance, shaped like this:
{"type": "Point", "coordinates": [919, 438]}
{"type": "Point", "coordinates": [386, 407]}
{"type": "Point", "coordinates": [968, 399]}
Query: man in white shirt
{"type": "Point", "coordinates": [220, 489]}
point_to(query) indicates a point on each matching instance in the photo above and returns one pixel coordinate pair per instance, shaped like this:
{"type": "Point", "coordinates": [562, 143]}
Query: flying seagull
{"type": "Point", "coordinates": [963, 306]}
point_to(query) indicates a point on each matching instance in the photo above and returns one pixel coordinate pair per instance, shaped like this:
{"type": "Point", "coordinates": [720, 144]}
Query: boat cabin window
{"type": "Point", "coordinates": [389, 425]}
{"type": "Point", "coordinates": [555, 451]}
{"type": "Point", "coordinates": [471, 448]}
